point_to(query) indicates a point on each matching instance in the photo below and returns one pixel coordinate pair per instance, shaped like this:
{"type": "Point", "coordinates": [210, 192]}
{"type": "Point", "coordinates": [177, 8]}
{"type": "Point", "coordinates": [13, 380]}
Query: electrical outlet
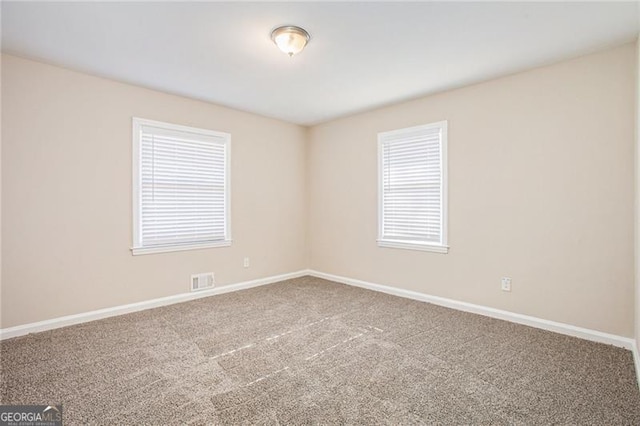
{"type": "Point", "coordinates": [506, 284]}
{"type": "Point", "coordinates": [246, 262]}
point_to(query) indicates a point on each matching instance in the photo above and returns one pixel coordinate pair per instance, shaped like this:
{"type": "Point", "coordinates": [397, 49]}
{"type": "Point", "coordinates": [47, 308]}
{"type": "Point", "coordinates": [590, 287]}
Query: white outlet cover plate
{"type": "Point", "coordinates": [506, 284]}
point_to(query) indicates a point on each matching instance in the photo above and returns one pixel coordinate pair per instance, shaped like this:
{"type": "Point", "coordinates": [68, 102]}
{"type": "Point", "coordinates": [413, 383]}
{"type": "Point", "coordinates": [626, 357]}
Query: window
{"type": "Point", "coordinates": [180, 187]}
{"type": "Point", "coordinates": [412, 191]}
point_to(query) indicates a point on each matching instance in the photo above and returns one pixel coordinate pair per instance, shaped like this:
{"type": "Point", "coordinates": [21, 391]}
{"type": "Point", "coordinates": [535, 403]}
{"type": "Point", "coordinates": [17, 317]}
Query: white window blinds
{"type": "Point", "coordinates": [412, 187]}
{"type": "Point", "coordinates": [181, 187]}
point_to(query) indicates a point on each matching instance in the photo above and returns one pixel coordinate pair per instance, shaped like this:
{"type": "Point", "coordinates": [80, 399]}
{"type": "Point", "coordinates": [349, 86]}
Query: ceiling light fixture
{"type": "Point", "coordinates": [290, 39]}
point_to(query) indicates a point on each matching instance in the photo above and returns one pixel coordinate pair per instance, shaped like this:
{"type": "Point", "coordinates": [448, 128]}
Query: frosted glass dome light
{"type": "Point", "coordinates": [290, 39]}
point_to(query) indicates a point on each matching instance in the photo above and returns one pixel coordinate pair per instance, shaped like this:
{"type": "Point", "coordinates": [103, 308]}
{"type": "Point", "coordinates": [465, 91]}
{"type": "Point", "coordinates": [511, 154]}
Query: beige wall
{"type": "Point", "coordinates": [637, 201]}
{"type": "Point", "coordinates": [66, 189]}
{"type": "Point", "coordinates": [541, 189]}
{"type": "Point", "coordinates": [0, 182]}
{"type": "Point", "coordinates": [540, 177]}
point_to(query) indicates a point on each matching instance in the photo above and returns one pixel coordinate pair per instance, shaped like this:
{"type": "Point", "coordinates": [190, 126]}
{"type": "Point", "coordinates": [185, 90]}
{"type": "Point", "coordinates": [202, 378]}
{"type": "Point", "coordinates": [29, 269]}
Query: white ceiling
{"type": "Point", "coordinates": [361, 55]}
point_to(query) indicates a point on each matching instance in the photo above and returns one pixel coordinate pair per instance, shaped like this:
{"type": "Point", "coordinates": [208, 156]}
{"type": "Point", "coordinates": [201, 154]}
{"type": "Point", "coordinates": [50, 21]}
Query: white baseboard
{"type": "Point", "coordinates": [571, 330]}
{"type": "Point", "coordinates": [558, 327]}
{"type": "Point", "coordinates": [65, 321]}
{"type": "Point", "coordinates": [636, 360]}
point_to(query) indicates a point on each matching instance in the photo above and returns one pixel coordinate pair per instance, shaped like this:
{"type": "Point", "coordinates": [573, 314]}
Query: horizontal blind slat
{"type": "Point", "coordinates": [183, 185]}
{"type": "Point", "coordinates": [411, 185]}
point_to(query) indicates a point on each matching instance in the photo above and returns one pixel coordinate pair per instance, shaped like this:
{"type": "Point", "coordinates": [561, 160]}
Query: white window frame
{"type": "Point", "coordinates": [402, 244]}
{"type": "Point", "coordinates": [137, 247]}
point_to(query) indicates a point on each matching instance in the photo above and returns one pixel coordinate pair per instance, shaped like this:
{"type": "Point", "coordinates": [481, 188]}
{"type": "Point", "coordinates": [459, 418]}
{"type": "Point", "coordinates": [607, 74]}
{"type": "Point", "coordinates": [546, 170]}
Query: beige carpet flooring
{"type": "Point", "coordinates": [309, 351]}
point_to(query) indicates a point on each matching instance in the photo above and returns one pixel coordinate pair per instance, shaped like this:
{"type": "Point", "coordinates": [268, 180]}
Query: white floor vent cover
{"type": "Point", "coordinates": [202, 281]}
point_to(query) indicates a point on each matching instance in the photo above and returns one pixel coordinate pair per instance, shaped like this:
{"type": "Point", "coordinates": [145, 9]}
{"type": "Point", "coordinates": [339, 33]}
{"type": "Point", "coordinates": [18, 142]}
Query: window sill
{"type": "Point", "coordinates": [166, 249]}
{"type": "Point", "coordinates": [413, 246]}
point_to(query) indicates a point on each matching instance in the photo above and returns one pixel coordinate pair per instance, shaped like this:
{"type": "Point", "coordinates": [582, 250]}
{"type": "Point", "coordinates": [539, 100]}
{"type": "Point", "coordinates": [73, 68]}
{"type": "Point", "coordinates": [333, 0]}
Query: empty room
{"type": "Point", "coordinates": [325, 213]}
